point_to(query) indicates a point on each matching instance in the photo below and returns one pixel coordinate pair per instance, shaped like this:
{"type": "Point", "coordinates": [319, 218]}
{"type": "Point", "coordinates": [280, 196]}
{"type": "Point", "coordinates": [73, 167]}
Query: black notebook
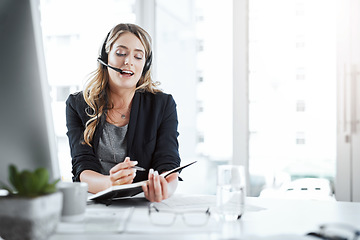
{"type": "Point", "coordinates": [128, 190]}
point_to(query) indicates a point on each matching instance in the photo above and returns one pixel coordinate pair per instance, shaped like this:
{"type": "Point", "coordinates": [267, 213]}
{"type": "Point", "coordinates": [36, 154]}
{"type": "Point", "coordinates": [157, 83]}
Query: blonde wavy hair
{"type": "Point", "coordinates": [96, 89]}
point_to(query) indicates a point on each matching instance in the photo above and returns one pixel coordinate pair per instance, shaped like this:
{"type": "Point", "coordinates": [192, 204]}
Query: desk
{"type": "Point", "coordinates": [263, 217]}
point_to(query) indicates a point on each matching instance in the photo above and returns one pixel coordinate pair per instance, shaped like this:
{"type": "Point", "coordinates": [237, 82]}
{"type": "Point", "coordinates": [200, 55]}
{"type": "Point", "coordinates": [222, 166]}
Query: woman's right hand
{"type": "Point", "coordinates": [123, 173]}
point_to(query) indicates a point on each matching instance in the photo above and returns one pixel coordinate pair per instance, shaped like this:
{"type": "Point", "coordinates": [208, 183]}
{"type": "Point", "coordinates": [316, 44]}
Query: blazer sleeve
{"type": "Point", "coordinates": [166, 154]}
{"type": "Point", "coordinates": [83, 156]}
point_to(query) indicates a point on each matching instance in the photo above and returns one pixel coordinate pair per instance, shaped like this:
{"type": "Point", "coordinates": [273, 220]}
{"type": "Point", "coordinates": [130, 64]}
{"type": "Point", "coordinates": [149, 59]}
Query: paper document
{"type": "Point", "coordinates": [98, 220]}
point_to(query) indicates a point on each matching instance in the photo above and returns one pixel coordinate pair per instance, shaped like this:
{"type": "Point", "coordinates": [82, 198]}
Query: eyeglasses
{"type": "Point", "coordinates": [166, 217]}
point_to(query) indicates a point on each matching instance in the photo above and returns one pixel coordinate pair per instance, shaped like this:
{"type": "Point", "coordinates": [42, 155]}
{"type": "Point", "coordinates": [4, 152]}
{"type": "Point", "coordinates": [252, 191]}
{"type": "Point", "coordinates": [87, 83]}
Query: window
{"type": "Point", "coordinates": [300, 106]}
{"type": "Point", "coordinates": [292, 62]}
{"type": "Point", "coordinates": [300, 138]}
{"type": "Point", "coordinates": [193, 44]}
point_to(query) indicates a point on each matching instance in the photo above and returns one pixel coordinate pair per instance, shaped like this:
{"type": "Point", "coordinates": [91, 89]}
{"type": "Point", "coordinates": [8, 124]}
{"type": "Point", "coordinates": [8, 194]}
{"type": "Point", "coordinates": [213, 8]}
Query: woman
{"type": "Point", "coordinates": [121, 119]}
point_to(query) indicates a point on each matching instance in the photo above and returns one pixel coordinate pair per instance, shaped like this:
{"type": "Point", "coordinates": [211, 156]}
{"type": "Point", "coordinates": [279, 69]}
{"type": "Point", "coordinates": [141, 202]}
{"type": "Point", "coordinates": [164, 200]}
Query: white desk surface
{"type": "Point", "coordinates": [263, 218]}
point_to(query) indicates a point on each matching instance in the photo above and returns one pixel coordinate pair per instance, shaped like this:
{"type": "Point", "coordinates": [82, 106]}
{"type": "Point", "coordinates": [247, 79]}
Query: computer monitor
{"type": "Point", "coordinates": [27, 137]}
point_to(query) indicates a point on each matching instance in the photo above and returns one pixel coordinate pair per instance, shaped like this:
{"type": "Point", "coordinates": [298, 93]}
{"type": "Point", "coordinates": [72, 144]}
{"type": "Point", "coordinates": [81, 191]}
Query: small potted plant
{"type": "Point", "coordinates": [33, 206]}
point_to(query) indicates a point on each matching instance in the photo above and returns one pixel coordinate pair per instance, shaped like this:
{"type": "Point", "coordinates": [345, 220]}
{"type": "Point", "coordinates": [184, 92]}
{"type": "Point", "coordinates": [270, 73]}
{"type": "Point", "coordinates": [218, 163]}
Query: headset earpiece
{"type": "Point", "coordinates": [147, 64]}
{"type": "Point", "coordinates": [103, 55]}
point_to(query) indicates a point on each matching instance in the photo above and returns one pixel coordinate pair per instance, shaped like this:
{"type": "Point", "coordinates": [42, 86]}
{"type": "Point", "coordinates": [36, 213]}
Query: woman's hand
{"type": "Point", "coordinates": [158, 188]}
{"type": "Point", "coordinates": [123, 173]}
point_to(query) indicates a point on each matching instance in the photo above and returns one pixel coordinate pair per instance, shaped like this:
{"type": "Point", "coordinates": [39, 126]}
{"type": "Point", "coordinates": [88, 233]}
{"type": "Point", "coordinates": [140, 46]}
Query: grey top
{"type": "Point", "coordinates": [112, 146]}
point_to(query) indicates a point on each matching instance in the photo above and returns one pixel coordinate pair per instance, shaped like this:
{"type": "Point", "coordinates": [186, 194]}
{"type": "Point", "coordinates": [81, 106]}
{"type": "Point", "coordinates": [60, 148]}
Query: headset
{"type": "Point", "coordinates": [103, 59]}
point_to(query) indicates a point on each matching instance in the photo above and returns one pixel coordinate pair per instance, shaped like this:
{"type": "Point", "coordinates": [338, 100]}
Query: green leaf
{"type": "Point", "coordinates": [55, 182]}
{"type": "Point", "coordinates": [27, 180]}
{"type": "Point", "coordinates": [51, 188]}
{"type": "Point", "coordinates": [42, 178]}
{"type": "Point", "coordinates": [12, 174]}
{"type": "Point", "coordinates": [14, 177]}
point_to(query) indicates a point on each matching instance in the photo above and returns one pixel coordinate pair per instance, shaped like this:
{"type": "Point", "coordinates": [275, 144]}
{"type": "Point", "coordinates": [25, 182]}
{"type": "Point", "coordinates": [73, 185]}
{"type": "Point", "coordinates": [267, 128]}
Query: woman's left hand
{"type": "Point", "coordinates": [158, 188]}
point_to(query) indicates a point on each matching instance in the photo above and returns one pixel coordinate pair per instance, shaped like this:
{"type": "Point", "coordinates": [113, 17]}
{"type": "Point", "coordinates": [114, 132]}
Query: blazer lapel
{"type": "Point", "coordinates": [132, 122]}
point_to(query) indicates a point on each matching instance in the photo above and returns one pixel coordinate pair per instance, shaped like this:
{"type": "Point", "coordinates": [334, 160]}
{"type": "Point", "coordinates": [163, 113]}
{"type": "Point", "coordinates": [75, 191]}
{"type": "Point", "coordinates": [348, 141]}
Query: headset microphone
{"type": "Point", "coordinates": [113, 68]}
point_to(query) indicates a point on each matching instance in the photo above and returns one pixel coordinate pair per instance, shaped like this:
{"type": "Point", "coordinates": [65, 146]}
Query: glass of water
{"type": "Point", "coordinates": [231, 191]}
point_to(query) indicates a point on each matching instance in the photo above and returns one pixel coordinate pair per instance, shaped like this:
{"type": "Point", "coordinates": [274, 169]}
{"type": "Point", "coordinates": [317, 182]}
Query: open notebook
{"type": "Point", "coordinates": [128, 190]}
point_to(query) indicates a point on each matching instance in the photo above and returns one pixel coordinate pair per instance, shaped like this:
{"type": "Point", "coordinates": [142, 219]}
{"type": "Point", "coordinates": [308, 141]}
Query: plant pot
{"type": "Point", "coordinates": [29, 218]}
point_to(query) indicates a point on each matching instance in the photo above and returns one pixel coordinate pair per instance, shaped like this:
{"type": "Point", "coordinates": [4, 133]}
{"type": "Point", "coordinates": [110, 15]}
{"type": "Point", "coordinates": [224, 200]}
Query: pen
{"type": "Point", "coordinates": [134, 167]}
{"type": "Point", "coordinates": [139, 168]}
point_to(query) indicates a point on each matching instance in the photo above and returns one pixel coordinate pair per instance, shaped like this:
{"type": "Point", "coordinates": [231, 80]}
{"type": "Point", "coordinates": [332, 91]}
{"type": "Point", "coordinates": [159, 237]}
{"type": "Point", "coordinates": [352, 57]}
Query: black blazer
{"type": "Point", "coordinates": [151, 137]}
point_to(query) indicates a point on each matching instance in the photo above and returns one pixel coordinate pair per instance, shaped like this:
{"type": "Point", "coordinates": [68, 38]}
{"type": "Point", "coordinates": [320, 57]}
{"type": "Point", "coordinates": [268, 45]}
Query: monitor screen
{"type": "Point", "coordinates": [27, 137]}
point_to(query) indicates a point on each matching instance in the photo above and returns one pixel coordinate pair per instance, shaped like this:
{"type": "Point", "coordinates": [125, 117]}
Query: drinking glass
{"type": "Point", "coordinates": [231, 191]}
